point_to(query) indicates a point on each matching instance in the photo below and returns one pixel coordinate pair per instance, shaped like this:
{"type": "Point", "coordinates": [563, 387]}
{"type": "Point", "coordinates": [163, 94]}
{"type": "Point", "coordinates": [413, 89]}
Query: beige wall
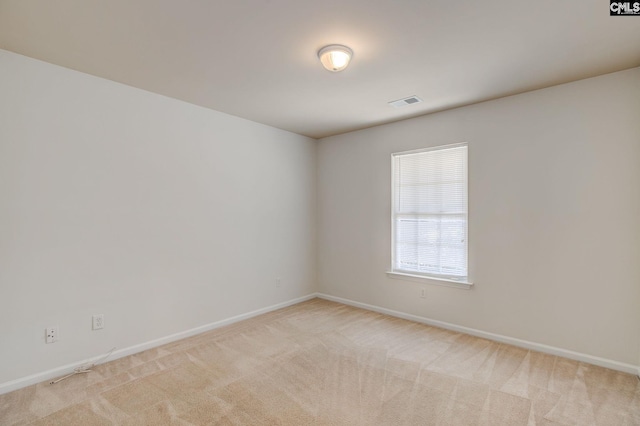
{"type": "Point", "coordinates": [161, 215]}
{"type": "Point", "coordinates": [554, 205]}
{"type": "Point", "coordinates": [118, 201]}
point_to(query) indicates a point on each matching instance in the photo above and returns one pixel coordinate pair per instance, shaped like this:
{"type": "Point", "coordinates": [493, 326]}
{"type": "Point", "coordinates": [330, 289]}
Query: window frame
{"type": "Point", "coordinates": [439, 279]}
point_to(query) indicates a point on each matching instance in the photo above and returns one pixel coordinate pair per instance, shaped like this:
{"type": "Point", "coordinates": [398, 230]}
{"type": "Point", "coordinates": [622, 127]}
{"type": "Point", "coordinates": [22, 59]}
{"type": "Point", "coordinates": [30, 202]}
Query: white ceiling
{"type": "Point", "coordinates": [257, 58]}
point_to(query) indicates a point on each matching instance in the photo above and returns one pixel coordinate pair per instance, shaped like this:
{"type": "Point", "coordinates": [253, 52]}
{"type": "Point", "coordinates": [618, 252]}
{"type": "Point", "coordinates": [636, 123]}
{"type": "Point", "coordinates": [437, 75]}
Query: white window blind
{"type": "Point", "coordinates": [430, 212]}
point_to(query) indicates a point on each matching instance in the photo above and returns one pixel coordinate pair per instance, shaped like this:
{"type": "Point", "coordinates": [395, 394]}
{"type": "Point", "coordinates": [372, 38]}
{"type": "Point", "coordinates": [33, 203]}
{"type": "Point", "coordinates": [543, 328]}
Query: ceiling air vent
{"type": "Point", "coordinates": [406, 101]}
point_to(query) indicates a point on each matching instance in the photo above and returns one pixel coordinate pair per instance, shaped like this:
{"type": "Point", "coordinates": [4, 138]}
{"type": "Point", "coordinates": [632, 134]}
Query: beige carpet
{"type": "Point", "coordinates": [323, 363]}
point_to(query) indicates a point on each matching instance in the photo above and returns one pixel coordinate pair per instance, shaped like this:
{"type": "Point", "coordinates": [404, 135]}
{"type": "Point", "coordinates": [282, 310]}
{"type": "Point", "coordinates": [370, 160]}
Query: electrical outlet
{"type": "Point", "coordinates": [423, 293]}
{"type": "Point", "coordinates": [51, 334]}
{"type": "Point", "coordinates": [278, 282]}
{"type": "Point", "coordinates": [98, 322]}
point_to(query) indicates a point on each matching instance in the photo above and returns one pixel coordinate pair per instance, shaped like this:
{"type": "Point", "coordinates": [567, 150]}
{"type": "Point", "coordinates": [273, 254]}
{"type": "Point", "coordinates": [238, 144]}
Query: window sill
{"type": "Point", "coordinates": [431, 280]}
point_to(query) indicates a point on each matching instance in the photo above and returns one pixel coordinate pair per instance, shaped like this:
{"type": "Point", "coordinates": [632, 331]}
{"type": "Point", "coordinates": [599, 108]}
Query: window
{"type": "Point", "coordinates": [429, 217]}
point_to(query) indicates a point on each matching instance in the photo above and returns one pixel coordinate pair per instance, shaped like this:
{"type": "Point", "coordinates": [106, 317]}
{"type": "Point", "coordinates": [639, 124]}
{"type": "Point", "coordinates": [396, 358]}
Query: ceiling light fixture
{"type": "Point", "coordinates": [335, 57]}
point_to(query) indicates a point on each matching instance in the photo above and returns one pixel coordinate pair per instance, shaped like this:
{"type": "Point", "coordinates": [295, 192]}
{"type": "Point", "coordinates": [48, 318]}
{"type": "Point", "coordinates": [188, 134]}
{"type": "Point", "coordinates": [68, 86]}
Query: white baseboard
{"type": "Point", "coordinates": [66, 369]}
{"type": "Point", "coordinates": [552, 350]}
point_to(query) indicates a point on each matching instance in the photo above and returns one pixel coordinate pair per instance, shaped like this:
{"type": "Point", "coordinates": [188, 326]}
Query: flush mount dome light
{"type": "Point", "coordinates": [335, 57]}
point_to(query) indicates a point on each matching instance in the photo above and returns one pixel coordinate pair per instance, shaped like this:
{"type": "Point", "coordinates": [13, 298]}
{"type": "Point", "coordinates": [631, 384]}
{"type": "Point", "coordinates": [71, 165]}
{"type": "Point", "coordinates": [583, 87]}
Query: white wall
{"type": "Point", "coordinates": [554, 211]}
{"type": "Point", "coordinates": [118, 201]}
{"type": "Point", "coordinates": [161, 215]}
